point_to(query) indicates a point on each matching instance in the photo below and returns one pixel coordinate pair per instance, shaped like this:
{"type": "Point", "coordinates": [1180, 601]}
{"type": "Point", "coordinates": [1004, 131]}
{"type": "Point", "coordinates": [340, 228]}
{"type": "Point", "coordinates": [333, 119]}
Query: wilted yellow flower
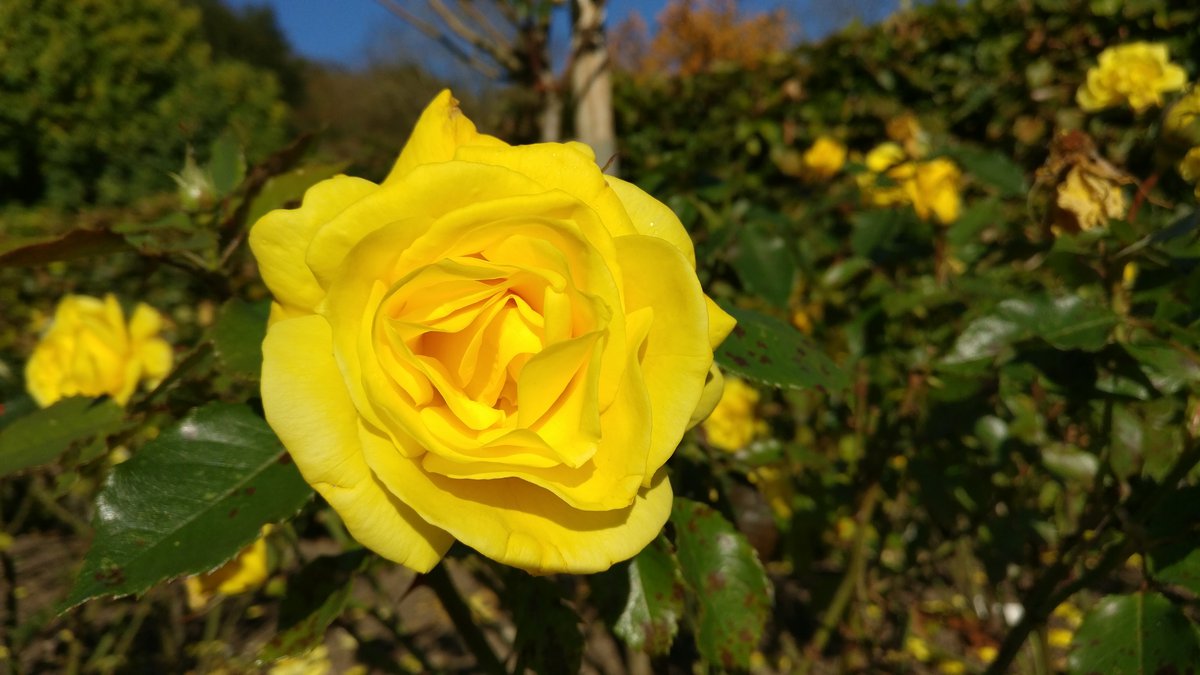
{"type": "Point", "coordinates": [734, 422]}
{"type": "Point", "coordinates": [314, 662]}
{"type": "Point", "coordinates": [824, 159]}
{"type": "Point", "coordinates": [1189, 168]}
{"type": "Point", "coordinates": [244, 573]}
{"type": "Point", "coordinates": [1092, 199]}
{"type": "Point", "coordinates": [884, 156]}
{"type": "Point", "coordinates": [1138, 74]}
{"type": "Point", "coordinates": [934, 192]}
{"type": "Point", "coordinates": [906, 130]}
{"type": "Point", "coordinates": [89, 350]}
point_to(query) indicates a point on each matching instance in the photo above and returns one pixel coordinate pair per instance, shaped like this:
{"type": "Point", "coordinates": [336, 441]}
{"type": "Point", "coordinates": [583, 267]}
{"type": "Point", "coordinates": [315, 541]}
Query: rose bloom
{"type": "Point", "coordinates": [824, 159]}
{"type": "Point", "coordinates": [247, 571]}
{"type": "Point", "coordinates": [89, 350]}
{"type": "Point", "coordinates": [1137, 74]}
{"type": "Point", "coordinates": [734, 423]}
{"type": "Point", "coordinates": [933, 190]}
{"type": "Point", "coordinates": [498, 344]}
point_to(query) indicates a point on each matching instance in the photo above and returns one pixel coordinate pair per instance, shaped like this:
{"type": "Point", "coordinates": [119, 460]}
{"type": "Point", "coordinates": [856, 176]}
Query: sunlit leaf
{"type": "Point", "coordinates": [188, 501]}
{"type": "Point", "coordinates": [731, 592]}
{"type": "Point", "coordinates": [765, 349]}
{"type": "Point", "coordinates": [654, 606]}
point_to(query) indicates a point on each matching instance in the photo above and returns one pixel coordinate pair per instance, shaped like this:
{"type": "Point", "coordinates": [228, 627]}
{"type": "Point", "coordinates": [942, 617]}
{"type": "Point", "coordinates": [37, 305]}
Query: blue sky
{"type": "Point", "coordinates": [342, 31]}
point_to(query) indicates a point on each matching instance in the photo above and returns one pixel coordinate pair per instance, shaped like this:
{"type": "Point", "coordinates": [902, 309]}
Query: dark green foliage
{"type": "Point", "coordinates": [98, 100]}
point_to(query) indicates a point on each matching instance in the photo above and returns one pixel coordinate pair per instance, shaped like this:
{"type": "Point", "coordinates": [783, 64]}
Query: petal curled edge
{"type": "Point", "coordinates": [677, 353]}
{"type": "Point", "coordinates": [440, 130]}
{"type": "Point", "coordinates": [306, 404]}
{"type": "Point", "coordinates": [280, 239]}
{"type": "Point", "coordinates": [652, 217]}
{"type": "Point", "coordinates": [519, 524]}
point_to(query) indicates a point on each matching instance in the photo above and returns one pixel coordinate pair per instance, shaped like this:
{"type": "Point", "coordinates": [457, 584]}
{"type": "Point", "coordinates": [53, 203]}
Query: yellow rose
{"type": "Point", "coordinates": [89, 350]}
{"type": "Point", "coordinates": [824, 159]}
{"type": "Point", "coordinates": [933, 190]}
{"type": "Point", "coordinates": [498, 344]}
{"type": "Point", "coordinates": [244, 573]}
{"type": "Point", "coordinates": [1189, 168]}
{"type": "Point", "coordinates": [734, 422]}
{"type": "Point", "coordinates": [1138, 73]}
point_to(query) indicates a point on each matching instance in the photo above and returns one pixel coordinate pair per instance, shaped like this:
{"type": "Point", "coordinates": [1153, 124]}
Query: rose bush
{"type": "Point", "coordinates": [89, 350]}
{"type": "Point", "coordinates": [498, 344]}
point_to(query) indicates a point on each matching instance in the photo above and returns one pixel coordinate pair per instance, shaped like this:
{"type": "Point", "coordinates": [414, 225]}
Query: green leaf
{"type": "Point", "coordinates": [282, 190]}
{"type": "Point", "coordinates": [226, 163]}
{"type": "Point", "coordinates": [992, 168]}
{"type": "Point", "coordinates": [1136, 634]}
{"type": "Point", "coordinates": [188, 501]}
{"type": "Point", "coordinates": [42, 435]}
{"type": "Point", "coordinates": [732, 593]}
{"type": "Point", "coordinates": [1066, 322]}
{"type": "Point", "coordinates": [767, 350]}
{"type": "Point", "coordinates": [983, 338]}
{"type": "Point", "coordinates": [316, 596]}
{"type": "Point", "coordinates": [238, 335]}
{"type": "Point", "coordinates": [651, 614]}
{"type": "Point", "coordinates": [765, 266]}
{"type": "Point", "coordinates": [29, 251]}
{"type": "Point", "coordinates": [1070, 463]}
{"type": "Point", "coordinates": [548, 639]}
{"type": "Point", "coordinates": [876, 231]}
{"type": "Point", "coordinates": [1174, 557]}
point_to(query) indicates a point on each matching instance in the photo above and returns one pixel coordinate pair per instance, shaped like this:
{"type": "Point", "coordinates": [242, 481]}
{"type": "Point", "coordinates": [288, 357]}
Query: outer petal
{"type": "Point", "coordinates": [441, 129]}
{"type": "Point", "coordinates": [559, 167]}
{"type": "Point", "coordinates": [305, 402]}
{"type": "Point", "coordinates": [522, 525]}
{"type": "Point", "coordinates": [677, 354]}
{"type": "Point", "coordinates": [281, 238]}
{"type": "Point", "coordinates": [652, 217]}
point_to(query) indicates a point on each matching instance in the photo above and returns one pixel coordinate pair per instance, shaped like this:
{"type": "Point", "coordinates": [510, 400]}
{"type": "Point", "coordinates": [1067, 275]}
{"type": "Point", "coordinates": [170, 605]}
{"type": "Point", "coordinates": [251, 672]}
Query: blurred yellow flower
{"type": "Point", "coordinates": [89, 350]}
{"type": "Point", "coordinates": [734, 422]}
{"type": "Point", "coordinates": [934, 192]}
{"type": "Point", "coordinates": [1137, 74]}
{"type": "Point", "coordinates": [1059, 637]}
{"type": "Point", "coordinates": [952, 667]}
{"type": "Point", "coordinates": [244, 573]}
{"type": "Point", "coordinates": [1183, 119]}
{"type": "Point", "coordinates": [1090, 198]}
{"type": "Point", "coordinates": [315, 662]}
{"type": "Point", "coordinates": [1189, 168]}
{"type": "Point", "coordinates": [882, 183]}
{"type": "Point", "coordinates": [824, 159]}
{"type": "Point", "coordinates": [776, 487]}
{"type": "Point", "coordinates": [917, 648]}
{"type": "Point", "coordinates": [932, 188]}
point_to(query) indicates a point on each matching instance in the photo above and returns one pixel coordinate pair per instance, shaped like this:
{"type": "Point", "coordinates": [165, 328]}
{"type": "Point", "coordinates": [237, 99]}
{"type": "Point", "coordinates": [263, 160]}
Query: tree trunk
{"type": "Point", "coordinates": [591, 82]}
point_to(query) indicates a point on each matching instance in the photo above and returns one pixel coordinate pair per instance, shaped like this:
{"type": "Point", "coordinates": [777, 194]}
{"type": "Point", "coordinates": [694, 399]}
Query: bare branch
{"type": "Point", "coordinates": [433, 32]}
{"type": "Point", "coordinates": [498, 36]}
{"type": "Point", "coordinates": [503, 54]}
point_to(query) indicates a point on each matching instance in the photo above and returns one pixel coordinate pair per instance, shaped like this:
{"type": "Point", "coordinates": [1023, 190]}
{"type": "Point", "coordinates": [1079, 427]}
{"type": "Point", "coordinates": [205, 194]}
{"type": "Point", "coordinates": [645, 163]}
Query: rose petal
{"type": "Point", "coordinates": [440, 130]}
{"type": "Point", "coordinates": [305, 402]}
